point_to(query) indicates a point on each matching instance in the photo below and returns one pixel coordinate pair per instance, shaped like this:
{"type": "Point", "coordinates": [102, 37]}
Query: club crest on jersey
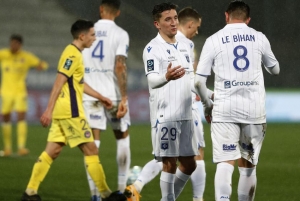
{"type": "Point", "coordinates": [168, 51]}
{"type": "Point", "coordinates": [187, 58]}
{"type": "Point", "coordinates": [149, 49]}
{"type": "Point", "coordinates": [164, 145]}
{"type": "Point", "coordinates": [227, 84]}
{"type": "Point", "coordinates": [150, 65]}
{"type": "Point", "coordinates": [191, 45]}
{"type": "Point", "coordinates": [68, 64]}
{"type": "Point", "coordinates": [87, 70]}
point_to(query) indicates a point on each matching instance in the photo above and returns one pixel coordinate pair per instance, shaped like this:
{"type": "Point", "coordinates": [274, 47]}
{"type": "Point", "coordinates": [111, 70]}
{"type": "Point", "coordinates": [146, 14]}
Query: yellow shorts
{"type": "Point", "coordinates": [74, 131]}
{"type": "Point", "coordinates": [16, 103]}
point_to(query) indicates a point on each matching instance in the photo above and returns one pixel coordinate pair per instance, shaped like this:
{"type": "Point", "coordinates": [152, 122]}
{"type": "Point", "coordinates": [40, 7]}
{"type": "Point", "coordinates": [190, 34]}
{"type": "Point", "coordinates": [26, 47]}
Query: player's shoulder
{"type": "Point", "coordinates": [4, 51]}
{"type": "Point", "coordinates": [71, 51]}
{"type": "Point", "coordinates": [153, 44]}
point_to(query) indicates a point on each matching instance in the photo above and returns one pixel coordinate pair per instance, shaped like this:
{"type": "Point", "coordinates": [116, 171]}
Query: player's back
{"type": "Point", "coordinates": [237, 51]}
{"type": "Point", "coordinates": [99, 59]}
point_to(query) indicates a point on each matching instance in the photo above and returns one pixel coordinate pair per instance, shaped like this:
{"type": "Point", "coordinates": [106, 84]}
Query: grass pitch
{"type": "Point", "coordinates": [278, 170]}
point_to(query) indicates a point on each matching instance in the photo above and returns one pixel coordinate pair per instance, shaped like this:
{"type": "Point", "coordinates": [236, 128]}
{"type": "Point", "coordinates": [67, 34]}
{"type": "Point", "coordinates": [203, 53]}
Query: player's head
{"type": "Point", "coordinates": [110, 8]}
{"type": "Point", "coordinates": [165, 18]}
{"type": "Point", "coordinates": [83, 31]}
{"type": "Point", "coordinates": [237, 11]}
{"type": "Point", "coordinates": [189, 21]}
{"type": "Point", "coordinates": [15, 42]}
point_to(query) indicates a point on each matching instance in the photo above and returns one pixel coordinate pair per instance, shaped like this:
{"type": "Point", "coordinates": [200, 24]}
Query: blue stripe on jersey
{"type": "Point", "coordinates": [73, 99]}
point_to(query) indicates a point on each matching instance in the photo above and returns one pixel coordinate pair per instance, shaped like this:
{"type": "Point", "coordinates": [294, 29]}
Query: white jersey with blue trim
{"type": "Point", "coordinates": [180, 36]}
{"type": "Point", "coordinates": [235, 54]}
{"type": "Point", "coordinates": [99, 59]}
{"type": "Point", "coordinates": [171, 102]}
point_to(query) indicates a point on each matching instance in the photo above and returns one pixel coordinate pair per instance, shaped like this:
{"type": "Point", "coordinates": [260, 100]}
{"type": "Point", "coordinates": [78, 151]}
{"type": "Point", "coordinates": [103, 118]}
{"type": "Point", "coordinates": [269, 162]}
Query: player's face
{"type": "Point", "coordinates": [193, 28]}
{"type": "Point", "coordinates": [167, 24]}
{"type": "Point", "coordinates": [15, 46]}
{"type": "Point", "coordinates": [89, 37]}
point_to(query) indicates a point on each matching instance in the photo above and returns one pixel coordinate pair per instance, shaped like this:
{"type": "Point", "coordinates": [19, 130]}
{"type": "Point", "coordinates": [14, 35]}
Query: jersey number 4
{"type": "Point", "coordinates": [240, 52]}
{"type": "Point", "coordinates": [98, 51]}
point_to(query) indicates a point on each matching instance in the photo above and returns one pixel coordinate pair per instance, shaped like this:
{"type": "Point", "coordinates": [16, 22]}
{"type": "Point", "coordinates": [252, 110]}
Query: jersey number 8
{"type": "Point", "coordinates": [239, 56]}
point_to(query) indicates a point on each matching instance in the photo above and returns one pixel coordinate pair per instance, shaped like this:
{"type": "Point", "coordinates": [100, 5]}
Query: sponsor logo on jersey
{"type": "Point", "coordinates": [164, 145]}
{"type": "Point", "coordinates": [68, 64]}
{"type": "Point", "coordinates": [87, 134]}
{"type": "Point", "coordinates": [234, 83]}
{"type": "Point", "coordinates": [224, 197]}
{"type": "Point", "coordinates": [171, 58]}
{"type": "Point", "coordinates": [168, 51]}
{"type": "Point", "coordinates": [150, 65]}
{"type": "Point", "coordinates": [229, 147]}
{"type": "Point", "coordinates": [87, 70]}
{"type": "Point", "coordinates": [183, 50]}
{"type": "Point", "coordinates": [149, 49]}
{"type": "Point", "coordinates": [187, 58]}
{"type": "Point", "coordinates": [95, 116]}
{"type": "Point", "coordinates": [72, 56]}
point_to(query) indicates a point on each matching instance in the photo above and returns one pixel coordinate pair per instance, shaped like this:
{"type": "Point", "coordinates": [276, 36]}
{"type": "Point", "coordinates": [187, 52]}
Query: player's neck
{"type": "Point", "coordinates": [168, 39]}
{"type": "Point", "coordinates": [182, 30]}
{"type": "Point", "coordinates": [78, 44]}
{"type": "Point", "coordinates": [108, 16]}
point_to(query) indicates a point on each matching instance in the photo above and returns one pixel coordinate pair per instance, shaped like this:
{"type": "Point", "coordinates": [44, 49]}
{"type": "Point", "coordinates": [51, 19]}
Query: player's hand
{"type": "Point", "coordinates": [197, 98]}
{"type": "Point", "coordinates": [207, 107]}
{"type": "Point", "coordinates": [122, 108]}
{"type": "Point", "coordinates": [46, 118]}
{"type": "Point", "coordinates": [174, 73]}
{"type": "Point", "coordinates": [106, 102]}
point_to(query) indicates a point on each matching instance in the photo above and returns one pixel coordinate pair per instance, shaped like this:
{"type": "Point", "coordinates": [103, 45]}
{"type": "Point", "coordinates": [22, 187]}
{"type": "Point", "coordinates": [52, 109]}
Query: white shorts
{"type": "Point", "coordinates": [198, 128]}
{"type": "Point", "coordinates": [97, 116]}
{"type": "Point", "coordinates": [173, 139]}
{"type": "Point", "coordinates": [232, 141]}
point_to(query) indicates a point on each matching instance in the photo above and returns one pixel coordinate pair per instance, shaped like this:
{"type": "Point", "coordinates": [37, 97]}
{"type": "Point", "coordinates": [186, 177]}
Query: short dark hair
{"type": "Point", "coordinates": [238, 10]}
{"type": "Point", "coordinates": [80, 26]}
{"type": "Point", "coordinates": [113, 4]}
{"type": "Point", "coordinates": [17, 37]}
{"type": "Point", "coordinates": [158, 9]}
{"type": "Point", "coordinates": [187, 14]}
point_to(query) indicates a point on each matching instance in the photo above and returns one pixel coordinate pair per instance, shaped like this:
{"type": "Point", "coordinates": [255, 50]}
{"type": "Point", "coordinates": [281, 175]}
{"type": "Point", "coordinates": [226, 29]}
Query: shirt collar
{"type": "Point", "coordinates": [236, 25]}
{"type": "Point", "coordinates": [163, 40]}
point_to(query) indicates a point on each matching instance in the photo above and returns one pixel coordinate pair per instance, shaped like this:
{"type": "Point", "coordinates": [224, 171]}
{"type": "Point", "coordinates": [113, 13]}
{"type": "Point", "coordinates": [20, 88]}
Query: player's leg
{"type": "Point", "coordinates": [21, 108]}
{"type": "Point", "coordinates": [225, 138]}
{"type": "Point", "coordinates": [199, 175]}
{"type": "Point", "coordinates": [6, 109]}
{"type": "Point", "coordinates": [42, 166]}
{"type": "Point", "coordinates": [251, 142]}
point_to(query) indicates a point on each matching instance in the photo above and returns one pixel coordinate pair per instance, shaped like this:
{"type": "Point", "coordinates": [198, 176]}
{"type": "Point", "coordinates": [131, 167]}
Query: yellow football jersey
{"type": "Point", "coordinates": [14, 69]}
{"type": "Point", "coordinates": [69, 102]}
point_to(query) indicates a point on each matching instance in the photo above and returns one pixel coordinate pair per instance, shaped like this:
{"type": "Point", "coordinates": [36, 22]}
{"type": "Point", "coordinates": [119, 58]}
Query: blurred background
{"type": "Point", "coordinates": [45, 26]}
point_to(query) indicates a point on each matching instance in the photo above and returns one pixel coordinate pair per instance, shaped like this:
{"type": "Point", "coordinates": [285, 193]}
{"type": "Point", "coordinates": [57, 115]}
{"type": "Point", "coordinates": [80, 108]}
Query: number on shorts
{"type": "Point", "coordinates": [173, 133]}
{"type": "Point", "coordinates": [83, 121]}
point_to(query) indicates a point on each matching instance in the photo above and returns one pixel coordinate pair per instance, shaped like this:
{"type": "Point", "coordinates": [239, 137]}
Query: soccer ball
{"type": "Point", "coordinates": [134, 173]}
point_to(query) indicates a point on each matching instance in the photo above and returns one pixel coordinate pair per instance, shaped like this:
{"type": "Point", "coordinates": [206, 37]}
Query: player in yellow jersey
{"type": "Point", "coordinates": [15, 64]}
{"type": "Point", "coordinates": [69, 125]}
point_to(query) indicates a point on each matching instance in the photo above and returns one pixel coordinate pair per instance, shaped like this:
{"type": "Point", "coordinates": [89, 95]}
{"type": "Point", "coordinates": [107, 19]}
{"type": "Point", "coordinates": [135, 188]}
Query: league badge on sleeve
{"type": "Point", "coordinates": [150, 65]}
{"type": "Point", "coordinates": [68, 64]}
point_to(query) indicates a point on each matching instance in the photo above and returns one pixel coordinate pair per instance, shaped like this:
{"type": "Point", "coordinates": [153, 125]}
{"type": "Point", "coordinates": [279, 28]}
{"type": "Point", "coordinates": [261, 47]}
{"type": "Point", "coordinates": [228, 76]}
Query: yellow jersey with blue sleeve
{"type": "Point", "coordinates": [14, 69]}
{"type": "Point", "coordinates": [69, 102]}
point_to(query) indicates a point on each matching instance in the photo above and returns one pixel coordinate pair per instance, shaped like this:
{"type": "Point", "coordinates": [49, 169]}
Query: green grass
{"type": "Point", "coordinates": [278, 170]}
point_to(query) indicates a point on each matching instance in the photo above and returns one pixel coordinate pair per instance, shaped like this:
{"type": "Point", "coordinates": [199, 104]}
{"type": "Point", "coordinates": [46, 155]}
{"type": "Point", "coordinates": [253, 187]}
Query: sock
{"type": "Point", "coordinates": [95, 170]}
{"type": "Point", "coordinates": [39, 172]}
{"type": "Point", "coordinates": [149, 171]}
{"type": "Point", "coordinates": [123, 161]}
{"type": "Point", "coordinates": [93, 188]}
{"type": "Point", "coordinates": [247, 184]}
{"type": "Point", "coordinates": [180, 181]}
{"type": "Point", "coordinates": [223, 179]}
{"type": "Point", "coordinates": [198, 180]}
{"type": "Point", "coordinates": [6, 129]}
{"type": "Point", "coordinates": [22, 133]}
{"type": "Point", "coordinates": [167, 186]}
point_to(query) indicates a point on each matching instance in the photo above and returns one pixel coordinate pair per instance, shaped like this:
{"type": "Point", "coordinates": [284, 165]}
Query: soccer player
{"type": "Point", "coordinates": [106, 72]}
{"type": "Point", "coordinates": [236, 54]}
{"type": "Point", "coordinates": [15, 64]}
{"type": "Point", "coordinates": [69, 124]}
{"type": "Point", "coordinates": [189, 23]}
{"type": "Point", "coordinates": [169, 71]}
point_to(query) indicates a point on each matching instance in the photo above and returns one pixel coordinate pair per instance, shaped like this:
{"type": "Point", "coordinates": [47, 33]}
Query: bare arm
{"type": "Point", "coordinates": [91, 92]}
{"type": "Point", "coordinates": [56, 89]}
{"type": "Point", "coordinates": [42, 66]}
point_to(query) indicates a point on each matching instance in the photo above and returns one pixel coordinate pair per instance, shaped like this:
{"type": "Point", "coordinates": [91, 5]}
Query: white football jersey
{"type": "Point", "coordinates": [235, 54]}
{"type": "Point", "coordinates": [172, 102]}
{"type": "Point", "coordinates": [99, 59]}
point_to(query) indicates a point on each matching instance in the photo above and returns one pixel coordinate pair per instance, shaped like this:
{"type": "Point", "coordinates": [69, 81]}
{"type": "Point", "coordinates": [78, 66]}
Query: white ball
{"type": "Point", "coordinates": [134, 173]}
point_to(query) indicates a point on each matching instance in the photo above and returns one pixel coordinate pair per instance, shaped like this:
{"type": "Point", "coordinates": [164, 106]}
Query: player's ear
{"type": "Point", "coordinates": [118, 13]}
{"type": "Point", "coordinates": [248, 20]}
{"type": "Point", "coordinates": [101, 9]}
{"type": "Point", "coordinates": [156, 24]}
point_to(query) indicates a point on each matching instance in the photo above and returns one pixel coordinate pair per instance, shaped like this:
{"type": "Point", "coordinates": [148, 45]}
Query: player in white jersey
{"type": "Point", "coordinates": [189, 23]}
{"type": "Point", "coordinates": [105, 71]}
{"type": "Point", "coordinates": [169, 71]}
{"type": "Point", "coordinates": [236, 54]}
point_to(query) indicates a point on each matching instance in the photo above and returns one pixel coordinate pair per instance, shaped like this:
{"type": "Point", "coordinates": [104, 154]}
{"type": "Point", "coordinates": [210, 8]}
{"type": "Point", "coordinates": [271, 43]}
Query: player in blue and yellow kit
{"type": "Point", "coordinates": [15, 64]}
{"type": "Point", "coordinates": [69, 125]}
